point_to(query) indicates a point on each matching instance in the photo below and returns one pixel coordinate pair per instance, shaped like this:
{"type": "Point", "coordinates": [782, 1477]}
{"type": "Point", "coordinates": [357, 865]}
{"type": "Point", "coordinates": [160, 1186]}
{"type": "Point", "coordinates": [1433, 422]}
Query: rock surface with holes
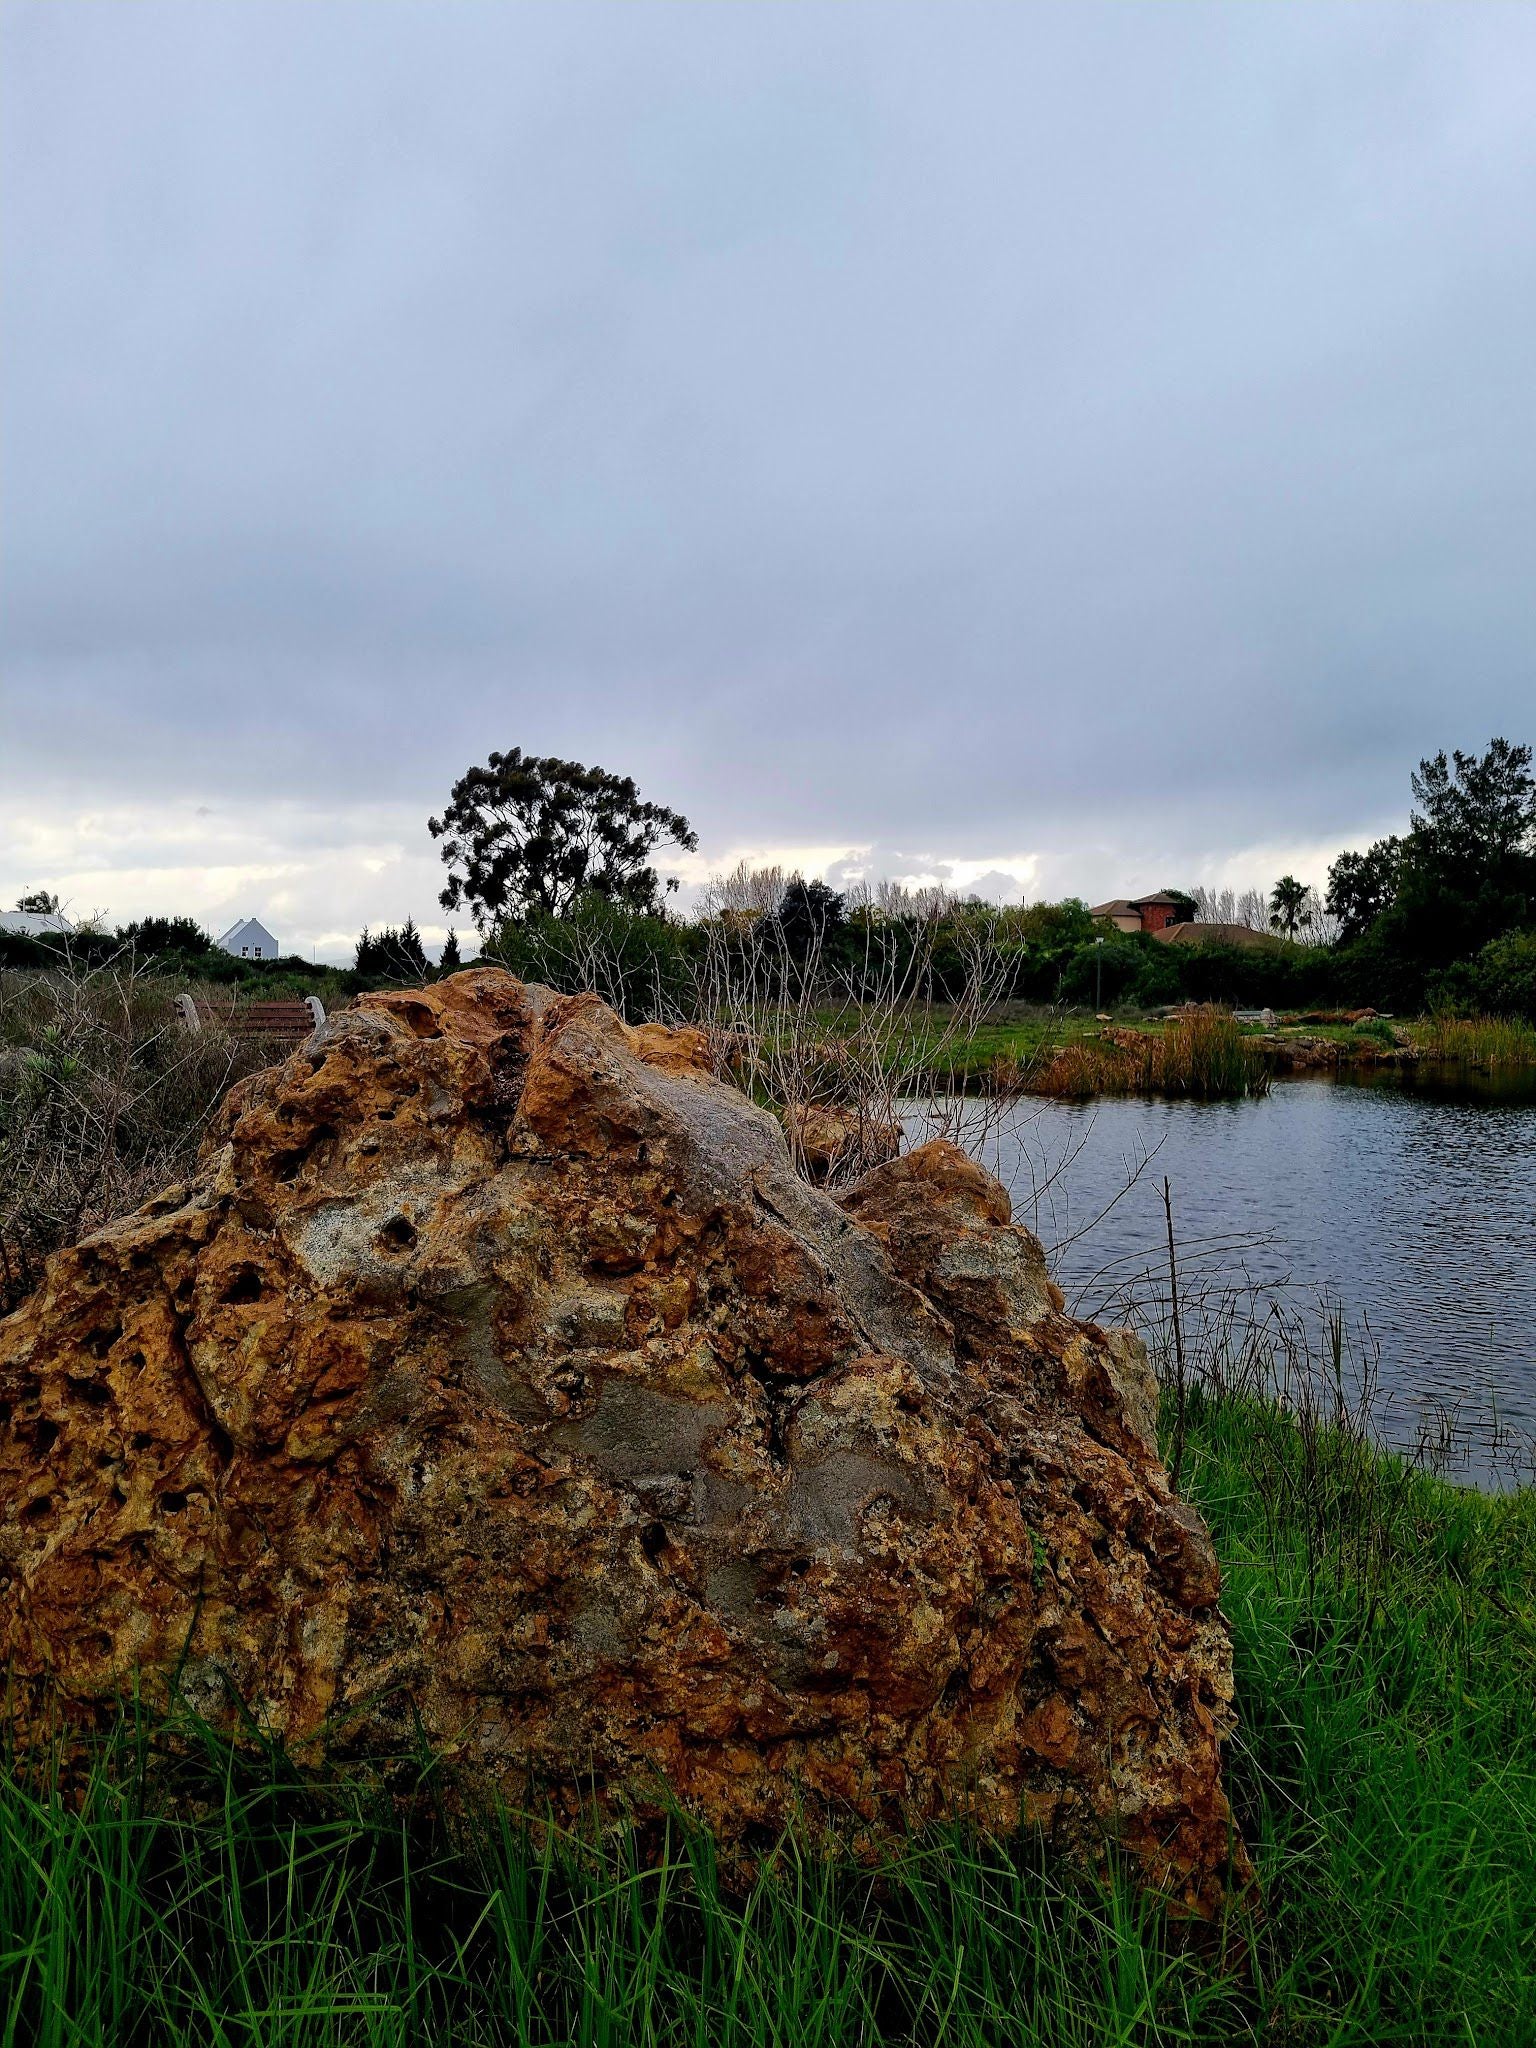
{"type": "Point", "coordinates": [495, 1378]}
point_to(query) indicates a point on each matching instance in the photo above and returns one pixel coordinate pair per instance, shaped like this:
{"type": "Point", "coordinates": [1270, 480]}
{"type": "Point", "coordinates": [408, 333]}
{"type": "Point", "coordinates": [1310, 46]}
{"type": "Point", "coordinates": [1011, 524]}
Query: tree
{"type": "Point", "coordinates": [450, 962]}
{"type": "Point", "coordinates": [391, 954]}
{"type": "Point", "coordinates": [1479, 814]}
{"type": "Point", "coordinates": [528, 833]}
{"type": "Point", "coordinates": [1186, 909]}
{"type": "Point", "coordinates": [1289, 907]}
{"type": "Point", "coordinates": [1362, 886]}
{"type": "Point", "coordinates": [42, 901]}
{"type": "Point", "coordinates": [152, 935]}
{"type": "Point", "coordinates": [1469, 863]}
{"type": "Point", "coordinates": [1226, 906]}
{"type": "Point", "coordinates": [810, 916]}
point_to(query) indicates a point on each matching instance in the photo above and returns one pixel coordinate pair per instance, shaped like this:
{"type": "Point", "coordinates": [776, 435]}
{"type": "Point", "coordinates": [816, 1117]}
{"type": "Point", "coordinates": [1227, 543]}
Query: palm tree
{"type": "Point", "coordinates": [1289, 908]}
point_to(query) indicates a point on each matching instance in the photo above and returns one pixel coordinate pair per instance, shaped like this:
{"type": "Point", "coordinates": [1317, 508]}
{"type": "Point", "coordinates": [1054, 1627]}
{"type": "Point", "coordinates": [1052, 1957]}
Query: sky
{"type": "Point", "coordinates": [1052, 449]}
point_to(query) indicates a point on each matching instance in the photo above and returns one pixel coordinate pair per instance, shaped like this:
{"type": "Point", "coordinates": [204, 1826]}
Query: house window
{"type": "Point", "coordinates": [256, 952]}
{"type": "Point", "coordinates": [245, 952]}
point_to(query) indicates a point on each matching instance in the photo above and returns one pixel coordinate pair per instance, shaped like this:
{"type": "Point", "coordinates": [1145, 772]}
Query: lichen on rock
{"type": "Point", "coordinates": [496, 1379]}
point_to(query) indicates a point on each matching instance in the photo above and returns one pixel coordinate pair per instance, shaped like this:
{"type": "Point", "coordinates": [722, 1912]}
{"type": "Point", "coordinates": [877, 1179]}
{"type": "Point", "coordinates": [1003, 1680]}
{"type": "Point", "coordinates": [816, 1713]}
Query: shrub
{"type": "Point", "coordinates": [641, 965]}
{"type": "Point", "coordinates": [104, 1098]}
{"type": "Point", "coordinates": [1499, 981]}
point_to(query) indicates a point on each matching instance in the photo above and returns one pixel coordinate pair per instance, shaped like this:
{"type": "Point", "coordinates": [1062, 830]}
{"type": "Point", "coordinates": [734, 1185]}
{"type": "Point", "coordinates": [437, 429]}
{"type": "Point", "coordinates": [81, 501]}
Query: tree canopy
{"type": "Point", "coordinates": [1463, 875]}
{"type": "Point", "coordinates": [153, 935]}
{"type": "Point", "coordinates": [810, 915]}
{"type": "Point", "coordinates": [1288, 905]}
{"type": "Point", "coordinates": [1362, 885]}
{"type": "Point", "coordinates": [391, 953]}
{"type": "Point", "coordinates": [531, 834]}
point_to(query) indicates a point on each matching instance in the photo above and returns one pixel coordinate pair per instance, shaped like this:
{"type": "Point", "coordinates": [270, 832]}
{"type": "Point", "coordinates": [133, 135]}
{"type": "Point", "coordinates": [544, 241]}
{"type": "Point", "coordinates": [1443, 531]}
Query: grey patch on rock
{"type": "Point", "coordinates": [827, 1499]}
{"type": "Point", "coordinates": [588, 1318]}
{"type": "Point", "coordinates": [1130, 1372]}
{"type": "Point", "coordinates": [637, 1431]}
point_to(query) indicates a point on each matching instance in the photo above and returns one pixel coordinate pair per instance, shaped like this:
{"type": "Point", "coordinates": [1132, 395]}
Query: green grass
{"type": "Point", "coordinates": [1477, 1041]}
{"type": "Point", "coordinates": [1385, 1775]}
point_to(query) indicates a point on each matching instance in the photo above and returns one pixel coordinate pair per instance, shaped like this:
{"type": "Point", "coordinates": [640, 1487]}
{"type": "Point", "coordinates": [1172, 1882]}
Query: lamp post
{"type": "Point", "coordinates": [1098, 975]}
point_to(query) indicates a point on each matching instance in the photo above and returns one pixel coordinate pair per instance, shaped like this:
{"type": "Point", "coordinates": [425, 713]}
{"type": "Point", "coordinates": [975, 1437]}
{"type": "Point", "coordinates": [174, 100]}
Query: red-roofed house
{"type": "Point", "coordinates": [1140, 913]}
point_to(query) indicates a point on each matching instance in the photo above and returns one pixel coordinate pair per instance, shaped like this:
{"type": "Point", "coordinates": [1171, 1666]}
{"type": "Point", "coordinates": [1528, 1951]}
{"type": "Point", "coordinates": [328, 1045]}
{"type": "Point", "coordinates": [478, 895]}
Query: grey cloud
{"type": "Point", "coordinates": [985, 427]}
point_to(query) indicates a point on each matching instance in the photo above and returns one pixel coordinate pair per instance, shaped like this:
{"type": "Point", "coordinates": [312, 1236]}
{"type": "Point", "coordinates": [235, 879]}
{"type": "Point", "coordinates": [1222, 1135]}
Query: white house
{"type": "Point", "coordinates": [248, 939]}
{"type": "Point", "coordinates": [35, 924]}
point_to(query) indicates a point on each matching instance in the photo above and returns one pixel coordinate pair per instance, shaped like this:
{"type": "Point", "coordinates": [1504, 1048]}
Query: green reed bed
{"type": "Point", "coordinates": [1201, 1052]}
{"type": "Point", "coordinates": [1477, 1041]}
{"type": "Point", "coordinates": [1385, 1776]}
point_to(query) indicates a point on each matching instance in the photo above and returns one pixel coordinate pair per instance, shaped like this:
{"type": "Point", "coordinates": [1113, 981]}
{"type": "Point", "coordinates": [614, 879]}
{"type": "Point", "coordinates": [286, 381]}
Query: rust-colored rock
{"type": "Point", "coordinates": [496, 1378]}
{"type": "Point", "coordinates": [833, 1143]}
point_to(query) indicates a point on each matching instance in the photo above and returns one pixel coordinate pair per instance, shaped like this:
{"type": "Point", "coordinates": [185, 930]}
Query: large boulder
{"type": "Point", "coordinates": [497, 1380]}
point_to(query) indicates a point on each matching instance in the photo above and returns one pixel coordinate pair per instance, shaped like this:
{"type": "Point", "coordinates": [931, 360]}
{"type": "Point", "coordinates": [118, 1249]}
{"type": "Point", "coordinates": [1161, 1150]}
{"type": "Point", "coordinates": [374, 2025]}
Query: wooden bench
{"type": "Point", "coordinates": [283, 1023]}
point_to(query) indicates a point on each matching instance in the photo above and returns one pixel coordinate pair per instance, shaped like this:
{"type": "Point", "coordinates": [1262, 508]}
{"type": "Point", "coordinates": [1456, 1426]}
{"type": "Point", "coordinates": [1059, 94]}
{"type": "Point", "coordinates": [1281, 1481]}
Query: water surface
{"type": "Point", "coordinates": [1411, 1208]}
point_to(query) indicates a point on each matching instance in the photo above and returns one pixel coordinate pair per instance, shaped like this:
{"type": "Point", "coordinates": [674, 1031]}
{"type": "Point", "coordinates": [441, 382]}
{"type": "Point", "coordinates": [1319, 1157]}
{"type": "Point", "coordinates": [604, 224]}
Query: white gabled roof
{"type": "Point", "coordinates": [248, 931]}
{"type": "Point", "coordinates": [34, 924]}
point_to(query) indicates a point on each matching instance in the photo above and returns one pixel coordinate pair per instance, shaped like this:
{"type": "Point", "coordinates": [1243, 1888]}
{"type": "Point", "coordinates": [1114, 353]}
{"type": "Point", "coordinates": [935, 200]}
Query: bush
{"type": "Point", "coordinates": [104, 1098]}
{"type": "Point", "coordinates": [641, 966]}
{"type": "Point", "coordinates": [1128, 969]}
{"type": "Point", "coordinates": [1500, 981]}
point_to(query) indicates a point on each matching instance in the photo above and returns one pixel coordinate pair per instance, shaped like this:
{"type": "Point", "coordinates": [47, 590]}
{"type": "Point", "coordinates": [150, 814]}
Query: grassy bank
{"type": "Point", "coordinates": [1482, 1042]}
{"type": "Point", "coordinates": [1072, 1053]}
{"type": "Point", "coordinates": [1385, 1774]}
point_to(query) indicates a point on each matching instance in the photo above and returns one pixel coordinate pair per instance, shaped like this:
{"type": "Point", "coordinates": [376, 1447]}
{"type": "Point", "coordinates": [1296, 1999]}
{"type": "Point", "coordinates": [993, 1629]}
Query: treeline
{"type": "Point", "coordinates": [1444, 915]}
{"type": "Point", "coordinates": [177, 948]}
{"type": "Point", "coordinates": [552, 861]}
{"type": "Point", "coordinates": [1036, 953]}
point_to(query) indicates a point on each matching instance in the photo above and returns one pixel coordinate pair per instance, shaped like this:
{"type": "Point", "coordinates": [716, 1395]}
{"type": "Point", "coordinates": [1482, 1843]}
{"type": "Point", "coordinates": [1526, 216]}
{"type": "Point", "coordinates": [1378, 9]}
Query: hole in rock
{"type": "Point", "coordinates": [173, 1503]}
{"type": "Point", "coordinates": [398, 1234]}
{"type": "Point", "coordinates": [245, 1286]}
{"type": "Point", "coordinates": [38, 1510]}
{"type": "Point", "coordinates": [45, 1434]}
{"type": "Point", "coordinates": [95, 1393]}
{"type": "Point", "coordinates": [100, 1342]}
{"type": "Point", "coordinates": [653, 1540]}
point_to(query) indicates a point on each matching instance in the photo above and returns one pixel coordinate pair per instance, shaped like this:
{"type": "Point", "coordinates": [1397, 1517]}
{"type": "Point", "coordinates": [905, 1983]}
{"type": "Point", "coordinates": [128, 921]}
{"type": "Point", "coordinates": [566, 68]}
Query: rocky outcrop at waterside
{"type": "Point", "coordinates": [831, 1143]}
{"type": "Point", "coordinates": [497, 1382]}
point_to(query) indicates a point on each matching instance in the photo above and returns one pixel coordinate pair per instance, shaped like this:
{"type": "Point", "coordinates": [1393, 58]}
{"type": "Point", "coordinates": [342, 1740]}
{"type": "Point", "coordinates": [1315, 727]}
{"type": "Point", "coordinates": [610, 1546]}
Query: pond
{"type": "Point", "coordinates": [1406, 1208]}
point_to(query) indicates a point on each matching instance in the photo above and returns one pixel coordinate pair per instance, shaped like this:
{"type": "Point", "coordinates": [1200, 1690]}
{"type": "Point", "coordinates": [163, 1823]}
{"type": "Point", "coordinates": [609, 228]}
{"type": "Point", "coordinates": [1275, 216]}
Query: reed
{"type": "Point", "coordinates": [1478, 1041]}
{"type": "Point", "coordinates": [1201, 1053]}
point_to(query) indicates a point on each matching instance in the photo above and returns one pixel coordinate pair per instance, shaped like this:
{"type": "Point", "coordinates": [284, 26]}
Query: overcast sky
{"type": "Point", "coordinates": [1073, 449]}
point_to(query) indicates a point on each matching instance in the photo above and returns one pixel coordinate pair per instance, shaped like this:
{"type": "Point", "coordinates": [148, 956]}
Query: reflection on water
{"type": "Point", "coordinates": [1412, 1206]}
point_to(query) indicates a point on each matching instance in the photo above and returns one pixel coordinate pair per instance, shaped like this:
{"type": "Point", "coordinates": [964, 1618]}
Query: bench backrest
{"type": "Point", "coordinates": [292, 1018]}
